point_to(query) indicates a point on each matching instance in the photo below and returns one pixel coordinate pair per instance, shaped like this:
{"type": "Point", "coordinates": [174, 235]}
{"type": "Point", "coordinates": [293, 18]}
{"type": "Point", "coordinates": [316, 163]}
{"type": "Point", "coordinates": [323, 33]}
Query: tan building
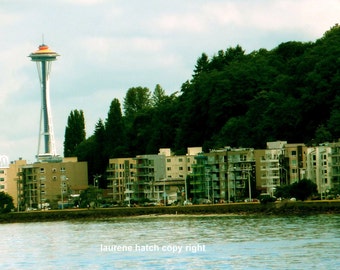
{"type": "Point", "coordinates": [172, 188]}
{"type": "Point", "coordinates": [9, 181]}
{"type": "Point", "coordinates": [53, 184]}
{"type": "Point", "coordinates": [294, 165]}
{"type": "Point", "coordinates": [121, 174]}
{"type": "Point", "coordinates": [269, 166]}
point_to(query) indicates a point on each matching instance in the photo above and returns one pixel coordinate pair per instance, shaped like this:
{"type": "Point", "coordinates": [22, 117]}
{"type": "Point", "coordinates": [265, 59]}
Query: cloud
{"type": "Point", "coordinates": [106, 47]}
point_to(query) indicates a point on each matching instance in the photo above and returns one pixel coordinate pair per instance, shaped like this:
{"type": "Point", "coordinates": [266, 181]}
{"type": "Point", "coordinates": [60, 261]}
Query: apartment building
{"type": "Point", "coordinates": [335, 166]}
{"type": "Point", "coordinates": [241, 175]}
{"type": "Point", "coordinates": [269, 166]}
{"type": "Point", "coordinates": [173, 187]}
{"type": "Point", "coordinates": [294, 164]}
{"type": "Point", "coordinates": [52, 184]}
{"type": "Point", "coordinates": [149, 169]}
{"type": "Point", "coordinates": [319, 167]}
{"type": "Point", "coordinates": [121, 177]}
{"type": "Point", "coordinates": [9, 177]}
{"type": "Point", "coordinates": [217, 161]}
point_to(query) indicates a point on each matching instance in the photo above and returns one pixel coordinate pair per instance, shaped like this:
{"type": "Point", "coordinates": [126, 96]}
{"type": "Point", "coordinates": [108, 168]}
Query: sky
{"type": "Point", "coordinates": [109, 46]}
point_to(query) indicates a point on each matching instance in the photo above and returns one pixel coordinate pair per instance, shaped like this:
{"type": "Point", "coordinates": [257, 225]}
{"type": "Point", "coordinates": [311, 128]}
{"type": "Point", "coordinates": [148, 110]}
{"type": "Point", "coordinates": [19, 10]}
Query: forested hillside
{"type": "Point", "coordinates": [291, 93]}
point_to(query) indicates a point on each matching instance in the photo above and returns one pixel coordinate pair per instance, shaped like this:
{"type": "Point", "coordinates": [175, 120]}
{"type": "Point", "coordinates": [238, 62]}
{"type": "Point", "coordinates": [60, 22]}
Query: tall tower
{"type": "Point", "coordinates": [43, 58]}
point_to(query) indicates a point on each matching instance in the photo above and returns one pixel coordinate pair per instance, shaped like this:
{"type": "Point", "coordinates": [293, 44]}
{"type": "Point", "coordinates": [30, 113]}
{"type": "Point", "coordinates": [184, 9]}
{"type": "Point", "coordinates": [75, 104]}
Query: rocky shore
{"type": "Point", "coordinates": [278, 208]}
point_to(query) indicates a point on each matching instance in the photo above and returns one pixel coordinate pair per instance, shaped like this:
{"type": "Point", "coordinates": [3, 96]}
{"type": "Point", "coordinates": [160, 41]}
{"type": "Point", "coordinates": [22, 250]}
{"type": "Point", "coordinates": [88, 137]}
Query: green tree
{"type": "Point", "coordinates": [101, 158]}
{"type": "Point", "coordinates": [136, 100]}
{"type": "Point", "coordinates": [115, 138]}
{"type": "Point", "coordinates": [158, 96]}
{"type": "Point", "coordinates": [303, 189]}
{"type": "Point", "coordinates": [90, 197]}
{"type": "Point", "coordinates": [6, 203]}
{"type": "Point", "coordinates": [74, 132]}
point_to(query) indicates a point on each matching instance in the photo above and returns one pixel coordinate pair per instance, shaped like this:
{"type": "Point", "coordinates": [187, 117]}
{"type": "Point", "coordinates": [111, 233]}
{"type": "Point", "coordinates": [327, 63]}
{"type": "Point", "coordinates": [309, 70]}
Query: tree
{"type": "Point", "coordinates": [6, 203]}
{"type": "Point", "coordinates": [300, 190]}
{"type": "Point", "coordinates": [158, 96]}
{"type": "Point", "coordinates": [115, 143]}
{"type": "Point", "coordinates": [74, 132]}
{"type": "Point", "coordinates": [136, 100]}
{"type": "Point", "coordinates": [303, 189]}
{"type": "Point", "coordinates": [101, 159]}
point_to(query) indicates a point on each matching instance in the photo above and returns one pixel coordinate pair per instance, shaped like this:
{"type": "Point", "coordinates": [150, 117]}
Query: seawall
{"type": "Point", "coordinates": [280, 208]}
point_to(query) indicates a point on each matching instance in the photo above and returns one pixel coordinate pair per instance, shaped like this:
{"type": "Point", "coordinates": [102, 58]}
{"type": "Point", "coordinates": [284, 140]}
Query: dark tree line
{"type": "Point", "coordinates": [291, 92]}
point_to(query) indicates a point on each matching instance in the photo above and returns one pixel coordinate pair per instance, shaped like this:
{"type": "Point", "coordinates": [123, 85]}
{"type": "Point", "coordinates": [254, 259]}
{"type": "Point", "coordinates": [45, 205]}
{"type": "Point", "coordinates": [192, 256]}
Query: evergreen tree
{"type": "Point", "coordinates": [74, 132]}
{"type": "Point", "coordinates": [115, 138]}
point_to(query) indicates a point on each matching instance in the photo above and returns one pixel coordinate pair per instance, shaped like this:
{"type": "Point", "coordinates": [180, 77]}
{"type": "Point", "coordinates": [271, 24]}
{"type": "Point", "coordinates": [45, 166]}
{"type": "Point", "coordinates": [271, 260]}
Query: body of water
{"type": "Point", "coordinates": [175, 242]}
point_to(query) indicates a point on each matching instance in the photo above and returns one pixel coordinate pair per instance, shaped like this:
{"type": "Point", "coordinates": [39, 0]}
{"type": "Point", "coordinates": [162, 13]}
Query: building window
{"type": "Point", "coordinates": [2, 171]}
{"type": "Point", "coordinates": [54, 170]}
{"type": "Point", "coordinates": [62, 169]}
{"type": "Point", "coordinates": [54, 178]}
{"type": "Point", "coordinates": [168, 168]}
{"type": "Point", "coordinates": [2, 186]}
{"type": "Point", "coordinates": [293, 153]}
{"type": "Point", "coordinates": [2, 179]}
{"type": "Point", "coordinates": [181, 168]}
{"type": "Point", "coordinates": [42, 170]}
{"type": "Point", "coordinates": [180, 160]}
{"type": "Point", "coordinates": [168, 160]}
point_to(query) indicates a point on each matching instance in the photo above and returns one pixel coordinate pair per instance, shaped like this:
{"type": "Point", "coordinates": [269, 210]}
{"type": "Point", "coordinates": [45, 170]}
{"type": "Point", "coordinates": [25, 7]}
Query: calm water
{"type": "Point", "coordinates": [179, 242]}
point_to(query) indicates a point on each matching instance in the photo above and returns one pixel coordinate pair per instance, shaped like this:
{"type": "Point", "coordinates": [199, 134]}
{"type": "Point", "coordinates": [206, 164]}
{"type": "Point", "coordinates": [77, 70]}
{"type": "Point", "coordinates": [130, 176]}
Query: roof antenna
{"type": "Point", "coordinates": [43, 39]}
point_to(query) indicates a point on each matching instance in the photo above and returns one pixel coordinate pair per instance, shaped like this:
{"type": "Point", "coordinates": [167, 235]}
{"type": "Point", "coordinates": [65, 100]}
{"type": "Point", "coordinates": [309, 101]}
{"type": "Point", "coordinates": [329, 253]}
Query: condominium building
{"type": "Point", "coordinates": [173, 187]}
{"type": "Point", "coordinates": [294, 164]}
{"type": "Point", "coordinates": [241, 176]}
{"type": "Point", "coordinates": [52, 184]}
{"type": "Point", "coordinates": [9, 178]}
{"type": "Point", "coordinates": [319, 167]}
{"type": "Point", "coordinates": [121, 177]}
{"type": "Point", "coordinates": [335, 166]}
{"type": "Point", "coordinates": [149, 169]}
{"type": "Point", "coordinates": [217, 161]}
{"type": "Point", "coordinates": [269, 166]}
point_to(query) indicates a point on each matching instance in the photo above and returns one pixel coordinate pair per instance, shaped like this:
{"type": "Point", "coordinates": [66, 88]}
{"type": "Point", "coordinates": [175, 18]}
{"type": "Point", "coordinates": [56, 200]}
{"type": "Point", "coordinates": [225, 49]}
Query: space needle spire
{"type": "Point", "coordinates": [43, 58]}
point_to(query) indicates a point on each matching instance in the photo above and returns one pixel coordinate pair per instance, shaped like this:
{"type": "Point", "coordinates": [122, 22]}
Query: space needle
{"type": "Point", "coordinates": [43, 58]}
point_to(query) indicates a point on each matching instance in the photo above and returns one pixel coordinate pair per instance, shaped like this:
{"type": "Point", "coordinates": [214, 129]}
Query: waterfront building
{"type": "Point", "coordinates": [335, 167]}
{"type": "Point", "coordinates": [198, 180]}
{"type": "Point", "coordinates": [319, 167]}
{"type": "Point", "coordinates": [149, 168]}
{"type": "Point", "coordinates": [269, 166]}
{"type": "Point", "coordinates": [173, 187]}
{"type": "Point", "coordinates": [9, 178]}
{"type": "Point", "coordinates": [218, 175]}
{"type": "Point", "coordinates": [241, 175]}
{"type": "Point", "coordinates": [121, 176]}
{"type": "Point", "coordinates": [52, 184]}
{"type": "Point", "coordinates": [293, 166]}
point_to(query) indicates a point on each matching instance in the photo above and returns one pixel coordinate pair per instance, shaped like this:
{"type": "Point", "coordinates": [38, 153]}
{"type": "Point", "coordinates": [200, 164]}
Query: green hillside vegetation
{"type": "Point", "coordinates": [290, 93]}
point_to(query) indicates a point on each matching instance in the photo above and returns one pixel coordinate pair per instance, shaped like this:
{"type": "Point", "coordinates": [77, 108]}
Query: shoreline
{"type": "Point", "coordinates": [269, 209]}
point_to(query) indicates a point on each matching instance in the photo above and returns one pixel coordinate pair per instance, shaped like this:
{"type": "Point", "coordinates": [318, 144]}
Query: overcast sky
{"type": "Point", "coordinates": [108, 46]}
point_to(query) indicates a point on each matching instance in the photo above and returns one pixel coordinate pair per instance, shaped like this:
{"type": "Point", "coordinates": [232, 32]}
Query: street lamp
{"type": "Point", "coordinates": [228, 187]}
{"type": "Point", "coordinates": [164, 194]}
{"type": "Point", "coordinates": [234, 184]}
{"type": "Point", "coordinates": [249, 186]}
